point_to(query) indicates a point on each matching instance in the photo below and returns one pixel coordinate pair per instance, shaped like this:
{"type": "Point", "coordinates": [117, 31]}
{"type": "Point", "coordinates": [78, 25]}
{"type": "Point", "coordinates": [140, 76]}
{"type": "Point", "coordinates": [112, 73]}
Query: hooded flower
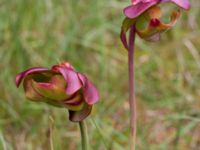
{"type": "Point", "coordinates": [146, 16]}
{"type": "Point", "coordinates": [60, 86]}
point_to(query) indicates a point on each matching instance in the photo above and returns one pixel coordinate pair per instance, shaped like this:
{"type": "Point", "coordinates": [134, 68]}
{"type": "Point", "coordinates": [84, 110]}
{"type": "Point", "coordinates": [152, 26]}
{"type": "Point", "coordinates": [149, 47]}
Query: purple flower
{"type": "Point", "coordinates": [146, 16]}
{"type": "Point", "coordinates": [60, 86]}
{"type": "Point", "coordinates": [140, 6]}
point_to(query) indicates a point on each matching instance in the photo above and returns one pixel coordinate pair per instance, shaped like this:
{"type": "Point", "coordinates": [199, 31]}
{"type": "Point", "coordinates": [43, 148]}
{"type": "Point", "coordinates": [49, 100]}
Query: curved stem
{"type": "Point", "coordinates": [132, 100]}
{"type": "Point", "coordinates": [84, 135]}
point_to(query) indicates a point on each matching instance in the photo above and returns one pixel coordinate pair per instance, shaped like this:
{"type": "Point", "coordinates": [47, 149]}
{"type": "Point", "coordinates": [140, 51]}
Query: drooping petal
{"type": "Point", "coordinates": [90, 92]}
{"type": "Point", "coordinates": [71, 77]}
{"type": "Point", "coordinates": [134, 11]}
{"type": "Point", "coordinates": [77, 116]}
{"type": "Point", "coordinates": [23, 74]}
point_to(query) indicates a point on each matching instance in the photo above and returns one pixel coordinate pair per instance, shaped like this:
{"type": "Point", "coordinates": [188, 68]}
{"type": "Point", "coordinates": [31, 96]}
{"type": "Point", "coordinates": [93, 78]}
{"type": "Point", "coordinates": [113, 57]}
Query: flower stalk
{"type": "Point", "coordinates": [132, 100]}
{"type": "Point", "coordinates": [84, 135]}
{"type": "Point", "coordinates": [144, 18]}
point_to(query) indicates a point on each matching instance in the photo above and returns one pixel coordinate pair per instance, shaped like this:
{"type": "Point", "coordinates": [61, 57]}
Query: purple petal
{"type": "Point", "coordinates": [73, 82]}
{"type": "Point", "coordinates": [134, 11]}
{"type": "Point", "coordinates": [139, 1]}
{"type": "Point", "coordinates": [185, 4]}
{"type": "Point", "coordinates": [23, 74]}
{"type": "Point", "coordinates": [64, 64]}
{"type": "Point", "coordinates": [90, 92]}
{"type": "Point", "coordinates": [182, 3]}
{"type": "Point", "coordinates": [77, 116]}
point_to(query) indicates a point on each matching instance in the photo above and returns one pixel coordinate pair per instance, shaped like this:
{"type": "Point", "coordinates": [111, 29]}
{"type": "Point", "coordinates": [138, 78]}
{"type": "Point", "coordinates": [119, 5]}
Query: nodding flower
{"type": "Point", "coordinates": [60, 86]}
{"type": "Point", "coordinates": [146, 16]}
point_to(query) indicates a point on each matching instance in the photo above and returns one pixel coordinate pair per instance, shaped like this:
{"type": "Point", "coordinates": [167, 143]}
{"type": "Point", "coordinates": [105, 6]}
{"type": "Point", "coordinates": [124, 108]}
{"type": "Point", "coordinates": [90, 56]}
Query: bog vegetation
{"type": "Point", "coordinates": [86, 33]}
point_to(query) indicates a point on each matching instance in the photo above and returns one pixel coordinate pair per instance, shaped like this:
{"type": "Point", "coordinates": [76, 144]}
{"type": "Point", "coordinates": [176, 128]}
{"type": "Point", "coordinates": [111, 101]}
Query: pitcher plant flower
{"type": "Point", "coordinates": [144, 18]}
{"type": "Point", "coordinates": [60, 86]}
{"type": "Point", "coordinates": [147, 15]}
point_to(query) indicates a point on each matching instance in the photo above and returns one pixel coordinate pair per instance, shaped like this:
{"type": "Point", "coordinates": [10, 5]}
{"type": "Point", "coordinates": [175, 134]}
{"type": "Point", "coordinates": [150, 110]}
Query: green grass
{"type": "Point", "coordinates": [86, 33]}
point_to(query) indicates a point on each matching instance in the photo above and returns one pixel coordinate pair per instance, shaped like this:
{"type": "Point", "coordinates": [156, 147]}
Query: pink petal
{"type": "Point", "coordinates": [90, 92]}
{"type": "Point", "coordinates": [134, 2]}
{"type": "Point", "coordinates": [185, 4]}
{"type": "Point", "coordinates": [64, 64]}
{"type": "Point", "coordinates": [182, 3]}
{"type": "Point", "coordinates": [23, 74]}
{"type": "Point", "coordinates": [73, 82]}
{"type": "Point", "coordinates": [134, 11]}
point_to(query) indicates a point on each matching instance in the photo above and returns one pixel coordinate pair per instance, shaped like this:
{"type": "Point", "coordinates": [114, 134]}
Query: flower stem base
{"type": "Point", "coordinates": [84, 135]}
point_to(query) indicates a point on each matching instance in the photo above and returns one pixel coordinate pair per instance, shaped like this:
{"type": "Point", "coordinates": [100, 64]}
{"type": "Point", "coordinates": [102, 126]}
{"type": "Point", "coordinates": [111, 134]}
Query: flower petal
{"type": "Point", "coordinates": [23, 74]}
{"type": "Point", "coordinates": [33, 95]}
{"type": "Point", "coordinates": [75, 107]}
{"type": "Point", "coordinates": [64, 64]}
{"type": "Point", "coordinates": [74, 99]}
{"type": "Point", "coordinates": [77, 116]}
{"type": "Point", "coordinates": [153, 12]}
{"type": "Point", "coordinates": [90, 92]}
{"type": "Point", "coordinates": [134, 2]}
{"type": "Point", "coordinates": [134, 11]}
{"type": "Point", "coordinates": [30, 92]}
{"type": "Point", "coordinates": [73, 82]}
{"type": "Point", "coordinates": [75, 102]}
{"type": "Point", "coordinates": [185, 4]}
{"type": "Point", "coordinates": [49, 90]}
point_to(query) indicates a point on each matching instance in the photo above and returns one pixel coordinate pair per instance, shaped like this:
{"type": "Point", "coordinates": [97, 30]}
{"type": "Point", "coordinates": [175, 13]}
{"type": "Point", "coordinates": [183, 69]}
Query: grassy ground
{"type": "Point", "coordinates": [86, 33]}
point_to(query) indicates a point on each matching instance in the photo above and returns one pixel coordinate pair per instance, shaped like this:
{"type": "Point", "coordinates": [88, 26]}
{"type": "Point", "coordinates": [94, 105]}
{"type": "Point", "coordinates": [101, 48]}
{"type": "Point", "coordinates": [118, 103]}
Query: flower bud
{"type": "Point", "coordinates": [60, 86]}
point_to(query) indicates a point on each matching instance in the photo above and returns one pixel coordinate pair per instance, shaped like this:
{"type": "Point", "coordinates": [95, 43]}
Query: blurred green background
{"type": "Point", "coordinates": [86, 33]}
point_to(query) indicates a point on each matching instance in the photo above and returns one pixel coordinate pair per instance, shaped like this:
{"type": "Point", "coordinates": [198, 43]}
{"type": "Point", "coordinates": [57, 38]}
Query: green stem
{"type": "Point", "coordinates": [84, 135]}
